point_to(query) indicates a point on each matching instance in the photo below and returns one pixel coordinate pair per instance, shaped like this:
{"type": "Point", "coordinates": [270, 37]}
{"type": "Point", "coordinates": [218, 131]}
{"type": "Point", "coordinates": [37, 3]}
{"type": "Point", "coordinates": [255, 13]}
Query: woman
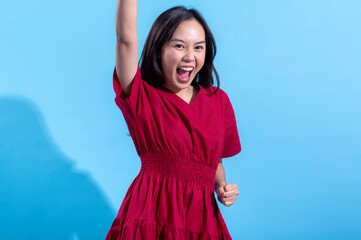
{"type": "Point", "coordinates": [181, 125]}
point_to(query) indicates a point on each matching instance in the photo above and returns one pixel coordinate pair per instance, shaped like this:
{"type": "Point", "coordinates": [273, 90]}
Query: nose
{"type": "Point", "coordinates": [188, 56]}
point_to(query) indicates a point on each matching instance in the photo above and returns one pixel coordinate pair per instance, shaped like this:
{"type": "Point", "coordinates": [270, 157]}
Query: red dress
{"type": "Point", "coordinates": [180, 146]}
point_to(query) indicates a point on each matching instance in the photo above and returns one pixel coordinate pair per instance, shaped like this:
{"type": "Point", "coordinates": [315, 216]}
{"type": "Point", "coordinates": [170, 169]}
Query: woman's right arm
{"type": "Point", "coordinates": [126, 55]}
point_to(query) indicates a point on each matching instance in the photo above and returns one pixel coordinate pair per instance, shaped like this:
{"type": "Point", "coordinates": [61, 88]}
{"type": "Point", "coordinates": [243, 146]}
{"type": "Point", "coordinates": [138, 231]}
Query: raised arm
{"type": "Point", "coordinates": [126, 54]}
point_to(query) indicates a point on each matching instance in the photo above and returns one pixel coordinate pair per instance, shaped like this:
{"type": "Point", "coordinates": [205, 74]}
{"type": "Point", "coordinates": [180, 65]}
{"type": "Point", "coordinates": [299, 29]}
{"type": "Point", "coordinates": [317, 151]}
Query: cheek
{"type": "Point", "coordinates": [165, 57]}
{"type": "Point", "coordinates": [169, 61]}
{"type": "Point", "coordinates": [201, 60]}
{"type": "Point", "coordinates": [170, 57]}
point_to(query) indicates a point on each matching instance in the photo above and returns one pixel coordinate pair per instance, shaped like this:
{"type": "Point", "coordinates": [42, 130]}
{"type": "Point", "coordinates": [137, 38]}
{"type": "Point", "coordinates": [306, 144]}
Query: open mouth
{"type": "Point", "coordinates": [184, 73]}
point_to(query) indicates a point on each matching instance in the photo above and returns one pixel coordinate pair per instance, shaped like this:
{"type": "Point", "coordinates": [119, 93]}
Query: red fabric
{"type": "Point", "coordinates": [180, 146]}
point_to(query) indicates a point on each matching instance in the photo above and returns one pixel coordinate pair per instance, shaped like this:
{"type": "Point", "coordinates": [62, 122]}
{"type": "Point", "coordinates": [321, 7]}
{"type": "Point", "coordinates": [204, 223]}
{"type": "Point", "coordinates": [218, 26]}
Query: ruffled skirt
{"type": "Point", "coordinates": [165, 207]}
{"type": "Point", "coordinates": [171, 198]}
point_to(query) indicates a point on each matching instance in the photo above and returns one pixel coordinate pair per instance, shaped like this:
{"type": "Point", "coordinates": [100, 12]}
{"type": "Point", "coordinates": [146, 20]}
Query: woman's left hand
{"type": "Point", "coordinates": [227, 194]}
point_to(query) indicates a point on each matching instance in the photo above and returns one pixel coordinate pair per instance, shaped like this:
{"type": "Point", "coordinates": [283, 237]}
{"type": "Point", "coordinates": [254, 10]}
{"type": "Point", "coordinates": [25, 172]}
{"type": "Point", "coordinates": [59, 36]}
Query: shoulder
{"type": "Point", "coordinates": [219, 100]}
{"type": "Point", "coordinates": [220, 96]}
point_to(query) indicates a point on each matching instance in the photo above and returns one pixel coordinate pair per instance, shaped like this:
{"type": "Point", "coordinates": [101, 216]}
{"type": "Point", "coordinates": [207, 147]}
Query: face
{"type": "Point", "coordinates": [183, 56]}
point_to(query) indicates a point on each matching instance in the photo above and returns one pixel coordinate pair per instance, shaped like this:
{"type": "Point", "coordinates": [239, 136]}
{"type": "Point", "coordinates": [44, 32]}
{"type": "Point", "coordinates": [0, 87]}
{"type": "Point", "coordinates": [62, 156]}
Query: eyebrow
{"type": "Point", "coordinates": [180, 40]}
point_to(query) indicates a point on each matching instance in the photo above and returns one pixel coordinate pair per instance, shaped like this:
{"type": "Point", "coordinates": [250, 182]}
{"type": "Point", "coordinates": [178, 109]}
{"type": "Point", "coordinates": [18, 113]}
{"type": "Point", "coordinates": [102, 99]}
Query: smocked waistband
{"type": "Point", "coordinates": [178, 166]}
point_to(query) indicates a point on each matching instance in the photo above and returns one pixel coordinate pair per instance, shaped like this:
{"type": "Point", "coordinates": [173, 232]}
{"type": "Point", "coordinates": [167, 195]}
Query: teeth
{"type": "Point", "coordinates": [186, 69]}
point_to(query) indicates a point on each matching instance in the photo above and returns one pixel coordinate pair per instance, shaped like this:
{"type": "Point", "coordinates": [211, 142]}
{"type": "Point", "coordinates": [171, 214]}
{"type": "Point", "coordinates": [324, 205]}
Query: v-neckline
{"type": "Point", "coordinates": [181, 99]}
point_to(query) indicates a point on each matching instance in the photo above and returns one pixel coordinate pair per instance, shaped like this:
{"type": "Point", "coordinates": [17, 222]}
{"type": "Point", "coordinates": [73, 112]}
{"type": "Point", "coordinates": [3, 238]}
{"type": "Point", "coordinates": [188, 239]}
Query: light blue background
{"type": "Point", "coordinates": [292, 70]}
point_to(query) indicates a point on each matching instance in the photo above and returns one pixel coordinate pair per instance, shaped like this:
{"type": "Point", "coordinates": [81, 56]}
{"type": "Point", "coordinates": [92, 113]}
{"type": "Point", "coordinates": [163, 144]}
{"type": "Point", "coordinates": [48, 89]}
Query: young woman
{"type": "Point", "coordinates": [181, 125]}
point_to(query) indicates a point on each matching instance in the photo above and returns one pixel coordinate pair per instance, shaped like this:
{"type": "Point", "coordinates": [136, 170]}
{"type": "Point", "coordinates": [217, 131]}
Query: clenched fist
{"type": "Point", "coordinates": [227, 194]}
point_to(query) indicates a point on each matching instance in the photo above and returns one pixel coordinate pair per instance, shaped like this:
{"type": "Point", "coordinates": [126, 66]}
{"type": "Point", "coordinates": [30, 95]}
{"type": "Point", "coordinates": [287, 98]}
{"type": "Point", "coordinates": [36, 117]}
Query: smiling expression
{"type": "Point", "coordinates": [183, 56]}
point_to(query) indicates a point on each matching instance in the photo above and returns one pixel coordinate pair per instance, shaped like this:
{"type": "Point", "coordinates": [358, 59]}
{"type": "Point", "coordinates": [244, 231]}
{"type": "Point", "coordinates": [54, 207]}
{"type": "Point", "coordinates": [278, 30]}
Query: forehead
{"type": "Point", "coordinates": [189, 30]}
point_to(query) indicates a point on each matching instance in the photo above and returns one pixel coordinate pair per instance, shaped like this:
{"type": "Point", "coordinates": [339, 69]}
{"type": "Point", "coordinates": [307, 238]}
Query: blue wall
{"type": "Point", "coordinates": [292, 70]}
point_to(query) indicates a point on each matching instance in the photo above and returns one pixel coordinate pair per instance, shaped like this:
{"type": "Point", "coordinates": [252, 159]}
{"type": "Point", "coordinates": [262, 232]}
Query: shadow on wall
{"type": "Point", "coordinates": [42, 196]}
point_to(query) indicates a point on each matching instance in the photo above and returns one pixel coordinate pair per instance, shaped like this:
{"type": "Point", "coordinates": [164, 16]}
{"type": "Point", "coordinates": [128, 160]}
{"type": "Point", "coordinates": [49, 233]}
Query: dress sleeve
{"type": "Point", "coordinates": [232, 144]}
{"type": "Point", "coordinates": [128, 105]}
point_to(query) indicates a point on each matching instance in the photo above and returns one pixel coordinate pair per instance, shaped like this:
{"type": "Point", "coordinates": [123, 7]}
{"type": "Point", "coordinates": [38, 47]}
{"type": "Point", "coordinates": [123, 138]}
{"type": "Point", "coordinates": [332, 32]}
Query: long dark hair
{"type": "Point", "coordinates": [162, 31]}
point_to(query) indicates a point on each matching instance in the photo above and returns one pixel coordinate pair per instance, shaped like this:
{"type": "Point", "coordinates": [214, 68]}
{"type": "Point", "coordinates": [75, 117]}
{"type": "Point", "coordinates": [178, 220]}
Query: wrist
{"type": "Point", "coordinates": [219, 185]}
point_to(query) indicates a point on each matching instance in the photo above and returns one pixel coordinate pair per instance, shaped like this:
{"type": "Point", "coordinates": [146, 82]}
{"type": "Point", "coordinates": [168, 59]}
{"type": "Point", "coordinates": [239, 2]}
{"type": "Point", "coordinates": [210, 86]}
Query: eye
{"type": "Point", "coordinates": [178, 46]}
{"type": "Point", "coordinates": [199, 47]}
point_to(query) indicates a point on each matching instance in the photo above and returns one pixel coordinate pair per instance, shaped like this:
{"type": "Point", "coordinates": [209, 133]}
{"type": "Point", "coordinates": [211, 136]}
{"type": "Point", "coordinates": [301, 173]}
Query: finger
{"type": "Point", "coordinates": [220, 199]}
{"type": "Point", "coordinates": [223, 199]}
{"type": "Point", "coordinates": [228, 203]}
{"type": "Point", "coordinates": [234, 192]}
{"type": "Point", "coordinates": [230, 187]}
{"type": "Point", "coordinates": [220, 196]}
{"type": "Point", "coordinates": [233, 198]}
{"type": "Point", "coordinates": [219, 191]}
{"type": "Point", "coordinates": [231, 193]}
